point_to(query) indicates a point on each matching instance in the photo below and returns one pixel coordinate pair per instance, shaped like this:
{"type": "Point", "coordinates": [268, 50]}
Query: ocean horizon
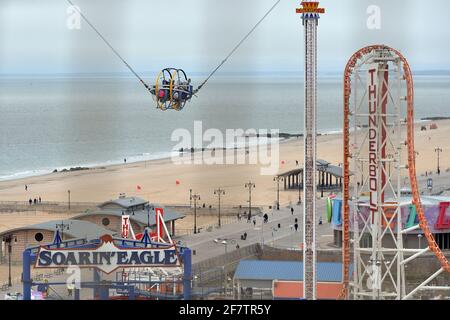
{"type": "Point", "coordinates": [57, 122]}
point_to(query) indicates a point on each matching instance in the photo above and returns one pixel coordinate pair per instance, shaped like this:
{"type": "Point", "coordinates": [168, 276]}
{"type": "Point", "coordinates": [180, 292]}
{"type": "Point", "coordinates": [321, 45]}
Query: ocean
{"type": "Point", "coordinates": [58, 122]}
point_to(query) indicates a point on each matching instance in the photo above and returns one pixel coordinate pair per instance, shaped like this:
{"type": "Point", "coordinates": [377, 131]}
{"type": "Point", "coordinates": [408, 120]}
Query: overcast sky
{"type": "Point", "coordinates": [195, 35]}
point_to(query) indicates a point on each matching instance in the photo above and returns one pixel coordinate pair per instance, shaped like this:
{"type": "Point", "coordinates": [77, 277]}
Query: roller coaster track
{"type": "Point", "coordinates": [423, 223]}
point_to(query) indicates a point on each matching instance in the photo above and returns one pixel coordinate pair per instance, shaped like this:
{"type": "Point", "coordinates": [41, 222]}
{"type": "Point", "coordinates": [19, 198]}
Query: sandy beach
{"type": "Point", "coordinates": [158, 179]}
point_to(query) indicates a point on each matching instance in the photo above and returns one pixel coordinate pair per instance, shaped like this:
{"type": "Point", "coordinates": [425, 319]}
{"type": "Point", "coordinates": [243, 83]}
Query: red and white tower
{"type": "Point", "coordinates": [310, 12]}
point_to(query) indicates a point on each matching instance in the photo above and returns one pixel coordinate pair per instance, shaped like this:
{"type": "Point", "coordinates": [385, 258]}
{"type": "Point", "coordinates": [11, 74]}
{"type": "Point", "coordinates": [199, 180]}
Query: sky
{"type": "Point", "coordinates": [197, 34]}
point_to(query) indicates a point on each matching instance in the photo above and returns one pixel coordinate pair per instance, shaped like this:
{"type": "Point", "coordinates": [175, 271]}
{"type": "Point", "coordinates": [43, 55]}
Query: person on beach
{"type": "Point", "coordinates": [254, 222]}
{"type": "Point", "coordinates": [26, 188]}
{"type": "Point", "coordinates": [124, 160]}
{"type": "Point", "coordinates": [40, 200]}
{"type": "Point", "coordinates": [292, 211]}
{"type": "Point", "coordinates": [30, 201]}
{"type": "Point", "coordinates": [296, 227]}
{"type": "Point", "coordinates": [35, 201]}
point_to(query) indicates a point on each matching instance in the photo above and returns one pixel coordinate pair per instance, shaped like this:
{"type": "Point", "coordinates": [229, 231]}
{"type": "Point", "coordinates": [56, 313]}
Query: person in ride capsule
{"type": "Point", "coordinates": [163, 93]}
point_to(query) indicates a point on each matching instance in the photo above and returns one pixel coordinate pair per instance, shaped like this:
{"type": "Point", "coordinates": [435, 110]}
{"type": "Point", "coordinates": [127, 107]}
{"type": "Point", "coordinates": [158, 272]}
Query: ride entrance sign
{"type": "Point", "coordinates": [107, 257]}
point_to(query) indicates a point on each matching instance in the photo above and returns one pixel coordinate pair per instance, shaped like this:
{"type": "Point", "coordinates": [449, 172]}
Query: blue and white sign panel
{"type": "Point", "coordinates": [107, 257]}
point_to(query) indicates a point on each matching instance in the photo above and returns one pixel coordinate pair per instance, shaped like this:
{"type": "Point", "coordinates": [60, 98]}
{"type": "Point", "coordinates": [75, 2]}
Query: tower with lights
{"type": "Point", "coordinates": [310, 12]}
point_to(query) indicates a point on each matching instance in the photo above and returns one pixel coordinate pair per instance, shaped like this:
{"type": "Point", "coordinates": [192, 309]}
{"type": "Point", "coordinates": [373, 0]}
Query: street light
{"type": "Point", "coordinates": [68, 195]}
{"type": "Point", "coordinates": [277, 179]}
{"type": "Point", "coordinates": [250, 185]}
{"type": "Point", "coordinates": [62, 226]}
{"type": "Point", "coordinates": [8, 239]}
{"type": "Point", "coordinates": [195, 197]}
{"type": "Point", "coordinates": [225, 242]}
{"type": "Point", "coordinates": [190, 198]}
{"type": "Point", "coordinates": [219, 192]}
{"type": "Point", "coordinates": [438, 150]}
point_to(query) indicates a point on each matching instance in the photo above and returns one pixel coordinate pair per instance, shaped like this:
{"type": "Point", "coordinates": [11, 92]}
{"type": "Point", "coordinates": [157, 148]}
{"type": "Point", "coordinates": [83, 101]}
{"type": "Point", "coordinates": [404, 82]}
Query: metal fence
{"type": "Point", "coordinates": [206, 227]}
{"type": "Point", "coordinates": [48, 206]}
{"type": "Point", "coordinates": [36, 276]}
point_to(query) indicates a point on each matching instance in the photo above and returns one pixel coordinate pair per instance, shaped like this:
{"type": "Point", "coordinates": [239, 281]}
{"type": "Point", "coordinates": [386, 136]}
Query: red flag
{"type": "Point", "coordinates": [177, 182]}
{"type": "Point", "coordinates": [283, 162]}
{"type": "Point", "coordinates": [138, 187]}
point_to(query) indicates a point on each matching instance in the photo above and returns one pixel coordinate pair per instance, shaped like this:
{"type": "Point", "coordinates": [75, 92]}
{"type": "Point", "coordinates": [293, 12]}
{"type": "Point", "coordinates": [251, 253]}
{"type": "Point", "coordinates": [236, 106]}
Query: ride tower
{"type": "Point", "coordinates": [379, 159]}
{"type": "Point", "coordinates": [310, 12]}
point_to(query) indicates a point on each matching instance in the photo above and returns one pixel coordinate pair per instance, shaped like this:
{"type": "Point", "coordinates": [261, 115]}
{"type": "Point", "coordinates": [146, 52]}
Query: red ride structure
{"type": "Point", "coordinates": [380, 267]}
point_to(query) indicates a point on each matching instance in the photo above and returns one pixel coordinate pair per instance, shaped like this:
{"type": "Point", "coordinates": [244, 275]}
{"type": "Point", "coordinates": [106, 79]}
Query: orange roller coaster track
{"type": "Point", "coordinates": [445, 265]}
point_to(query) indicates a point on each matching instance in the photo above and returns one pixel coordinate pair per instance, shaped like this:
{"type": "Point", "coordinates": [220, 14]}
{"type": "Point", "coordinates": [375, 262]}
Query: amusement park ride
{"type": "Point", "coordinates": [377, 83]}
{"type": "Point", "coordinates": [172, 88]}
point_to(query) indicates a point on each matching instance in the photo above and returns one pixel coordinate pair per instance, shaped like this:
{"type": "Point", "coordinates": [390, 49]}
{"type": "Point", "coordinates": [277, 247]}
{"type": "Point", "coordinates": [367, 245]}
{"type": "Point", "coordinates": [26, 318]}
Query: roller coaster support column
{"type": "Point", "coordinates": [187, 278]}
{"type": "Point", "coordinates": [26, 274]}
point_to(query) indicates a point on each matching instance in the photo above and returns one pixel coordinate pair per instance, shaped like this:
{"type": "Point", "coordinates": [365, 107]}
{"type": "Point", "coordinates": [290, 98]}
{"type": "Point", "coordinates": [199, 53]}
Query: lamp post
{"type": "Point", "coordinates": [68, 195]}
{"type": "Point", "coordinates": [438, 150]}
{"type": "Point", "coordinates": [8, 239]}
{"type": "Point", "coordinates": [277, 179]}
{"type": "Point", "coordinates": [250, 185]}
{"type": "Point", "coordinates": [195, 197]}
{"type": "Point", "coordinates": [224, 242]}
{"type": "Point", "coordinates": [219, 192]}
{"type": "Point", "coordinates": [190, 198]}
{"type": "Point", "coordinates": [63, 226]}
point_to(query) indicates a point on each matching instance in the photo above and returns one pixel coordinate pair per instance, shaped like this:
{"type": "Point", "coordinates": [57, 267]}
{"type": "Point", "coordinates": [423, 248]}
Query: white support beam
{"type": "Point", "coordinates": [412, 293]}
{"type": "Point", "coordinates": [414, 256]}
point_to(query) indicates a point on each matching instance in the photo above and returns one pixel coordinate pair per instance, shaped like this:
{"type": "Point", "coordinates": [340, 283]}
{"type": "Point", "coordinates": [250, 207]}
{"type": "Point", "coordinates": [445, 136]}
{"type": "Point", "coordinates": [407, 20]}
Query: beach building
{"type": "Point", "coordinates": [107, 219]}
{"type": "Point", "coordinates": [284, 279]}
{"type": "Point", "coordinates": [44, 233]}
{"type": "Point", "coordinates": [329, 177]}
{"type": "Point", "coordinates": [437, 212]}
{"type": "Point", "coordinates": [141, 212]}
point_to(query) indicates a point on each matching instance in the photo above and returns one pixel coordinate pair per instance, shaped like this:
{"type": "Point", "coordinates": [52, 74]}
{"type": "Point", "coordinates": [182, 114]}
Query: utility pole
{"type": "Point", "coordinates": [277, 179]}
{"type": "Point", "coordinates": [219, 192]}
{"type": "Point", "coordinates": [250, 185]}
{"type": "Point", "coordinates": [438, 150]}
{"type": "Point", "coordinates": [195, 197]}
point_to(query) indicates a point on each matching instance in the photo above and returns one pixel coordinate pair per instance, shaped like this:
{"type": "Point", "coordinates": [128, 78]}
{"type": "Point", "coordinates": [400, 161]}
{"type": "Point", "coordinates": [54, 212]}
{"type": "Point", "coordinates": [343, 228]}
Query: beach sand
{"type": "Point", "coordinates": [158, 178]}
